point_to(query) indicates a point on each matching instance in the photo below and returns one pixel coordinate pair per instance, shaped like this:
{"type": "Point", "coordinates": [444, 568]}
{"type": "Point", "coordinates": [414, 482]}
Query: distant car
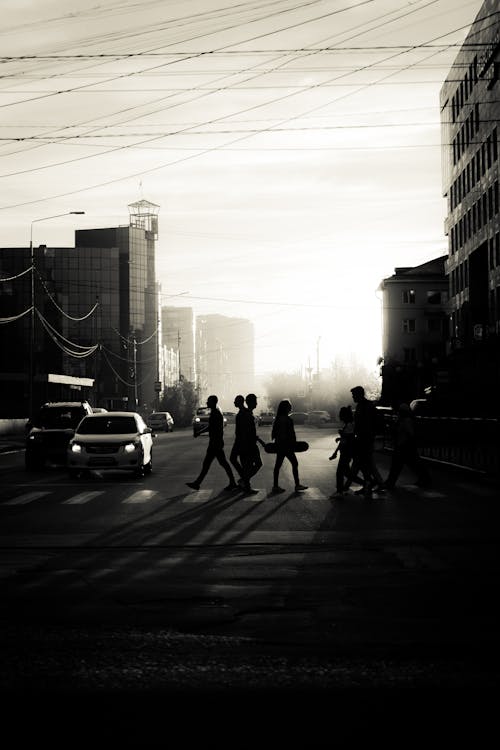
{"type": "Point", "coordinates": [115, 440]}
{"type": "Point", "coordinates": [200, 421]}
{"type": "Point", "coordinates": [161, 421]}
{"type": "Point", "coordinates": [420, 406]}
{"type": "Point", "coordinates": [318, 417]}
{"type": "Point", "coordinates": [52, 428]}
{"type": "Point", "coordinates": [266, 417]}
{"type": "Point", "coordinates": [230, 417]}
{"type": "Point", "coordinates": [299, 417]}
{"type": "Point", "coordinates": [99, 410]}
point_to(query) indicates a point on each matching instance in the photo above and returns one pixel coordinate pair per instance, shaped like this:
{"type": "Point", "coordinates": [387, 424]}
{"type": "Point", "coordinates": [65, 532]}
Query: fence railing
{"type": "Point", "coordinates": [469, 442]}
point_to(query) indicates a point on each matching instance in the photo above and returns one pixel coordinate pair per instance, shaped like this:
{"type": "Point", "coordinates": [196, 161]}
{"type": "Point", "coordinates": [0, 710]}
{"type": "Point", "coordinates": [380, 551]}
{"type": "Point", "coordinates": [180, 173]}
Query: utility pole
{"type": "Point", "coordinates": [179, 353]}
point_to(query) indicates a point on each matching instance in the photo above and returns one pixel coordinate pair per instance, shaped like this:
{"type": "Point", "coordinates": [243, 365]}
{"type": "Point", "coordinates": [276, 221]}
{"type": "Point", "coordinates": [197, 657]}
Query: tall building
{"type": "Point", "coordinates": [414, 329]}
{"type": "Point", "coordinates": [225, 357]}
{"type": "Point", "coordinates": [96, 316]}
{"type": "Point", "coordinates": [470, 107]}
{"type": "Point", "coordinates": [178, 334]}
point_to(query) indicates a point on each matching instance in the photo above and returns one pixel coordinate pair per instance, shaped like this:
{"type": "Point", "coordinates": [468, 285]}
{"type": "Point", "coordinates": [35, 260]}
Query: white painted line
{"type": "Point", "coordinates": [28, 497]}
{"type": "Point", "coordinates": [83, 497]}
{"type": "Point", "coordinates": [141, 496]}
{"type": "Point", "coordinates": [312, 493]}
{"type": "Point", "coordinates": [198, 496]}
{"type": "Point", "coordinates": [257, 498]}
{"type": "Point", "coordinates": [432, 493]}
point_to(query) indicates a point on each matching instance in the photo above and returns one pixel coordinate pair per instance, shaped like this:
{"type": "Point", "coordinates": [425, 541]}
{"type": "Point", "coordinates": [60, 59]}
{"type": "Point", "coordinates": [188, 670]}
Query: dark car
{"type": "Point", "coordinates": [53, 427]}
{"type": "Point", "coordinates": [161, 420]}
{"type": "Point", "coordinates": [200, 421]}
{"type": "Point", "coordinates": [299, 417]}
{"type": "Point", "coordinates": [266, 417]}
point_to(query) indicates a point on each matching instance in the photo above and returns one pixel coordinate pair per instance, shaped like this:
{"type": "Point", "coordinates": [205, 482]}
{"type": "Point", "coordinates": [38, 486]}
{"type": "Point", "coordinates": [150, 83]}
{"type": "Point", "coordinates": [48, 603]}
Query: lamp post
{"type": "Point", "coordinates": [32, 332]}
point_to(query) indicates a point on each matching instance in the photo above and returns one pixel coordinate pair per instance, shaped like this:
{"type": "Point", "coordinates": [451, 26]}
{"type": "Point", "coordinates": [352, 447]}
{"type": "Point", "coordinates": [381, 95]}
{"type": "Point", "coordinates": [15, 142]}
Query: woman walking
{"type": "Point", "coordinates": [283, 434]}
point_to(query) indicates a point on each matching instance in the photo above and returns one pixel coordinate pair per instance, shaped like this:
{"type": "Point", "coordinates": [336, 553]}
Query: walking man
{"type": "Point", "coordinates": [251, 461]}
{"type": "Point", "coordinates": [364, 440]}
{"type": "Point", "coordinates": [215, 447]}
{"type": "Point", "coordinates": [239, 430]}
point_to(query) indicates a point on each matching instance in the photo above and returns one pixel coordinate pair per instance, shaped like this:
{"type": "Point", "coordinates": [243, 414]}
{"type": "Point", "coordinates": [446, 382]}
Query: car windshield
{"type": "Point", "coordinates": [59, 418]}
{"type": "Point", "coordinates": [106, 425]}
{"type": "Point", "coordinates": [203, 412]}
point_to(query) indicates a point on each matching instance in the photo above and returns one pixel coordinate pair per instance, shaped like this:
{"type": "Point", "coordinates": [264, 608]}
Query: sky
{"type": "Point", "coordinates": [294, 149]}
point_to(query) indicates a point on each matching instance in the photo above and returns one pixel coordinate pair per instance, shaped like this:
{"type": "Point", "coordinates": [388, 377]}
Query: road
{"type": "Point", "coordinates": [116, 583]}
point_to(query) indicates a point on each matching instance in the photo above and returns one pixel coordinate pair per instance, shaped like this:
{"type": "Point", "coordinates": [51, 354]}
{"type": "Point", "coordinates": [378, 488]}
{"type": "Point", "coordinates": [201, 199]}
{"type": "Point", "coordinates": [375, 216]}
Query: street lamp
{"type": "Point", "coordinates": [32, 333]}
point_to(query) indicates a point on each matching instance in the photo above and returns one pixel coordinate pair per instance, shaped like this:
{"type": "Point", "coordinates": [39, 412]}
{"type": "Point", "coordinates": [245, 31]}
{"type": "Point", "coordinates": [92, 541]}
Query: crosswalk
{"type": "Point", "coordinates": [143, 496]}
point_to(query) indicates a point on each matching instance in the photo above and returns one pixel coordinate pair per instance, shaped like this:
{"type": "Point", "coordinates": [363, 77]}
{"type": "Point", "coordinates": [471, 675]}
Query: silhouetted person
{"type": "Point", "coordinates": [283, 434]}
{"type": "Point", "coordinates": [365, 418]}
{"type": "Point", "coordinates": [405, 450]}
{"type": "Point", "coordinates": [239, 428]}
{"type": "Point", "coordinates": [345, 448]}
{"type": "Point", "coordinates": [249, 450]}
{"type": "Point", "coordinates": [215, 447]}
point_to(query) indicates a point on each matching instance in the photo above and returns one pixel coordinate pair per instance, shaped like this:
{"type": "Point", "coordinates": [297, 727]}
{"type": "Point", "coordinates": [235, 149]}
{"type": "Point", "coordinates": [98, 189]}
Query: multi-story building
{"type": "Point", "coordinates": [96, 316]}
{"type": "Point", "coordinates": [470, 107]}
{"type": "Point", "coordinates": [414, 329]}
{"type": "Point", "coordinates": [225, 357]}
{"type": "Point", "coordinates": [178, 335]}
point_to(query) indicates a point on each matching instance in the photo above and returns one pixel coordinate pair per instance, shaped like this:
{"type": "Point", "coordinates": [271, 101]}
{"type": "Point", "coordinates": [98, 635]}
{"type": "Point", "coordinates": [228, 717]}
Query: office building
{"type": "Point", "coordinates": [178, 335]}
{"type": "Point", "coordinates": [470, 107]}
{"type": "Point", "coordinates": [414, 329]}
{"type": "Point", "coordinates": [96, 317]}
{"type": "Point", "coordinates": [224, 358]}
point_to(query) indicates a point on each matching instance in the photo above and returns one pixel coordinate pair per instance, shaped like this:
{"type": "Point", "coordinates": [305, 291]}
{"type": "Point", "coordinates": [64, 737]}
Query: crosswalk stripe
{"type": "Point", "coordinates": [27, 497]}
{"type": "Point", "coordinates": [312, 493]}
{"type": "Point", "coordinates": [83, 497]}
{"type": "Point", "coordinates": [141, 496]}
{"type": "Point", "coordinates": [197, 496]}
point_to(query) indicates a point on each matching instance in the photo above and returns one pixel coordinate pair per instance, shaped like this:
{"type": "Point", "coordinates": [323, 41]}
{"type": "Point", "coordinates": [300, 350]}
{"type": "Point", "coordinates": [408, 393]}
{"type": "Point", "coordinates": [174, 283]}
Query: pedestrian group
{"type": "Point", "coordinates": [355, 447]}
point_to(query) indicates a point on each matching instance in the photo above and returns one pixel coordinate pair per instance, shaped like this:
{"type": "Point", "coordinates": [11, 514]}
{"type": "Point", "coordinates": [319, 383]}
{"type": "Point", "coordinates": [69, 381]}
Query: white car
{"type": "Point", "coordinates": [116, 440]}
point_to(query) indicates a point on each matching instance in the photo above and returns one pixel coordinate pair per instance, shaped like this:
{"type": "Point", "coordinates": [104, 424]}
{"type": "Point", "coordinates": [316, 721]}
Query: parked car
{"type": "Point", "coordinates": [116, 440]}
{"type": "Point", "coordinates": [299, 417]}
{"type": "Point", "coordinates": [54, 425]}
{"type": "Point", "coordinates": [266, 417]}
{"type": "Point", "coordinates": [318, 417]}
{"type": "Point", "coordinates": [161, 421]}
{"type": "Point", "coordinates": [200, 421]}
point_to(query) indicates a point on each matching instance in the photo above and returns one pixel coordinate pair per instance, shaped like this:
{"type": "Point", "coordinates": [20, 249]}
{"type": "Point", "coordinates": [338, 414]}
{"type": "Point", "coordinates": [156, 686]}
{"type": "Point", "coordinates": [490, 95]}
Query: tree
{"type": "Point", "coordinates": [180, 400]}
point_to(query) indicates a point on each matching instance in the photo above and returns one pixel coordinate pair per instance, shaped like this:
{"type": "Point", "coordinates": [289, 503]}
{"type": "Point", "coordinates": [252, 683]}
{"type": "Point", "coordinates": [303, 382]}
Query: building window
{"type": "Point", "coordinates": [409, 355]}
{"type": "Point", "coordinates": [433, 297]}
{"type": "Point", "coordinates": [409, 297]}
{"type": "Point", "coordinates": [409, 325]}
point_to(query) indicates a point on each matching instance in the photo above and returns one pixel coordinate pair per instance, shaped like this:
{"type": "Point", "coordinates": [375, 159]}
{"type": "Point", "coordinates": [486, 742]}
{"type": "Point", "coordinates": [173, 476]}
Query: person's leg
{"type": "Point", "coordinates": [342, 471]}
{"type": "Point", "coordinates": [233, 458]}
{"type": "Point", "coordinates": [280, 457]}
{"type": "Point", "coordinates": [255, 463]}
{"type": "Point", "coordinates": [221, 458]}
{"type": "Point", "coordinates": [207, 462]}
{"type": "Point", "coordinates": [397, 463]}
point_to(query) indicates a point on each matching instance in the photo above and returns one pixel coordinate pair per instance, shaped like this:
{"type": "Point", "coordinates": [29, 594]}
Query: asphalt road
{"type": "Point", "coordinates": [118, 585]}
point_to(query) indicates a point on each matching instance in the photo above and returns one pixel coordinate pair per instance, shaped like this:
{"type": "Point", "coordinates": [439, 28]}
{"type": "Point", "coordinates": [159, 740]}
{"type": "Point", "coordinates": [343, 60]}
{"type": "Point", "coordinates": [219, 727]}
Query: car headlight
{"type": "Point", "coordinates": [131, 447]}
{"type": "Point", "coordinates": [76, 448]}
{"type": "Point", "coordinates": [196, 419]}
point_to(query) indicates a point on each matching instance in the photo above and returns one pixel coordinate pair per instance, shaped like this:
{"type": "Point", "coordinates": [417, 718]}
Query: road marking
{"type": "Point", "coordinates": [312, 493]}
{"type": "Point", "coordinates": [197, 496]}
{"type": "Point", "coordinates": [141, 496]}
{"type": "Point", "coordinates": [83, 497]}
{"type": "Point", "coordinates": [27, 497]}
